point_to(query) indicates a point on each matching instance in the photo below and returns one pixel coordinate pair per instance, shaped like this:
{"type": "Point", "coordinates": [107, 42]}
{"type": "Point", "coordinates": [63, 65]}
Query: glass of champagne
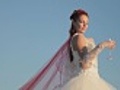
{"type": "Point", "coordinates": [110, 57]}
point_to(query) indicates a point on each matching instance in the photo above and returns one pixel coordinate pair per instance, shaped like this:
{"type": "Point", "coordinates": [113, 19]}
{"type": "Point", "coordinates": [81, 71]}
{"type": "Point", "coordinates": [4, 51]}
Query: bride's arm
{"type": "Point", "coordinates": [86, 56]}
{"type": "Point", "coordinates": [95, 51]}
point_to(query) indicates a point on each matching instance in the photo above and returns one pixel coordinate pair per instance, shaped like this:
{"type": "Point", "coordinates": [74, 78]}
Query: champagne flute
{"type": "Point", "coordinates": [110, 57]}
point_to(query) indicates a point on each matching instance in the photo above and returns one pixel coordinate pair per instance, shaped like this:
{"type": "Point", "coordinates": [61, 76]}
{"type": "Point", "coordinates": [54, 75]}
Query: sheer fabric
{"type": "Point", "coordinates": [54, 74]}
{"type": "Point", "coordinates": [86, 79]}
{"type": "Point", "coordinates": [60, 74]}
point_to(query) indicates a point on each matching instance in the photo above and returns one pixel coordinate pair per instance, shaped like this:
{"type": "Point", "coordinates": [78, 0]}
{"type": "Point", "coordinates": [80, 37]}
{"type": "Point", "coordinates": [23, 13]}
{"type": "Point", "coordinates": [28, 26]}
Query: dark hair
{"type": "Point", "coordinates": [75, 15]}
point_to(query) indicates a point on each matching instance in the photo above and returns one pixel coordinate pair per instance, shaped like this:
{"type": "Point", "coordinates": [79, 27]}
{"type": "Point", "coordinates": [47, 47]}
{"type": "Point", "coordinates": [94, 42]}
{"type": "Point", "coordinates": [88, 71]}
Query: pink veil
{"type": "Point", "coordinates": [54, 74]}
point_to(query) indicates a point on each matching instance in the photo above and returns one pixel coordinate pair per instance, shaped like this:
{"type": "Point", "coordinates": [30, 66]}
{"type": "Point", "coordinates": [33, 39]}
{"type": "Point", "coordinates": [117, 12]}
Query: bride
{"type": "Point", "coordinates": [84, 53]}
{"type": "Point", "coordinates": [75, 65]}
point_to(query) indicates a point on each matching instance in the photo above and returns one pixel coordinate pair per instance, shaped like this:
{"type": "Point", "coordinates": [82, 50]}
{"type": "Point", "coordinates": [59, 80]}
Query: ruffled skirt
{"type": "Point", "coordinates": [87, 80]}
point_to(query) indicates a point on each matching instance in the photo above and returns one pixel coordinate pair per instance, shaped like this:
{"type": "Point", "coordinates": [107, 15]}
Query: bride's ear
{"type": "Point", "coordinates": [75, 24]}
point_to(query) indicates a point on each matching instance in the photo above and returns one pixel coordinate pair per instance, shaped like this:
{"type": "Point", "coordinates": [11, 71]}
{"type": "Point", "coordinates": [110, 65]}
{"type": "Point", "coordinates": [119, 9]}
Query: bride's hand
{"type": "Point", "coordinates": [110, 44]}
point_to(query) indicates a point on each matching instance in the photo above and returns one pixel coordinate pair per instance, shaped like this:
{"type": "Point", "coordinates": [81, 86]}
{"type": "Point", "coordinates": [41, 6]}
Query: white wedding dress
{"type": "Point", "coordinates": [88, 79]}
{"type": "Point", "coordinates": [61, 74]}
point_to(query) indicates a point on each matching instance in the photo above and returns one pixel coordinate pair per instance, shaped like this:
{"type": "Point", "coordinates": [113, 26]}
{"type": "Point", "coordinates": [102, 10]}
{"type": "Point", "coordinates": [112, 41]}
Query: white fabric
{"type": "Point", "coordinates": [53, 74]}
{"type": "Point", "coordinates": [60, 74]}
{"type": "Point", "coordinates": [88, 79]}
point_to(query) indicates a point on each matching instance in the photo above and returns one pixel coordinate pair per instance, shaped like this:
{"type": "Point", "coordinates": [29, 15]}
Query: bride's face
{"type": "Point", "coordinates": [81, 23]}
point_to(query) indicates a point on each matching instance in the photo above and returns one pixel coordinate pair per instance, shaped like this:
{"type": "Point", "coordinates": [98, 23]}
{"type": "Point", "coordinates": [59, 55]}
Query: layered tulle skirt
{"type": "Point", "coordinates": [87, 80]}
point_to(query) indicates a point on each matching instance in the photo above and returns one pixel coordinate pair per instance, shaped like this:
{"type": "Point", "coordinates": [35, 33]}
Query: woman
{"type": "Point", "coordinates": [75, 65]}
{"type": "Point", "coordinates": [84, 53]}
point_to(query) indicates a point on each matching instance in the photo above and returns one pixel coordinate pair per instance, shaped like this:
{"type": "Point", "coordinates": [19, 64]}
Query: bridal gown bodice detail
{"type": "Point", "coordinates": [76, 58]}
{"type": "Point", "coordinates": [77, 78]}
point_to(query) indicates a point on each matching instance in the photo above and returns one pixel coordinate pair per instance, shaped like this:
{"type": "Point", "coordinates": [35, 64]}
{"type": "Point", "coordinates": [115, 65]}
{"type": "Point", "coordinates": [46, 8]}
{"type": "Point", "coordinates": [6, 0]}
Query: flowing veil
{"type": "Point", "coordinates": [54, 74]}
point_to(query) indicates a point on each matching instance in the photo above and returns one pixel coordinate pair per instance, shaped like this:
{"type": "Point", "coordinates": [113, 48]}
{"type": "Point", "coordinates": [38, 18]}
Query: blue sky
{"type": "Point", "coordinates": [31, 31]}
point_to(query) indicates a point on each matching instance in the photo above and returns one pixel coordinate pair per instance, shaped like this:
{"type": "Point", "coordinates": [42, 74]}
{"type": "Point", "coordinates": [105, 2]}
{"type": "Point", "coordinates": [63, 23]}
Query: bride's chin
{"type": "Point", "coordinates": [83, 31]}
